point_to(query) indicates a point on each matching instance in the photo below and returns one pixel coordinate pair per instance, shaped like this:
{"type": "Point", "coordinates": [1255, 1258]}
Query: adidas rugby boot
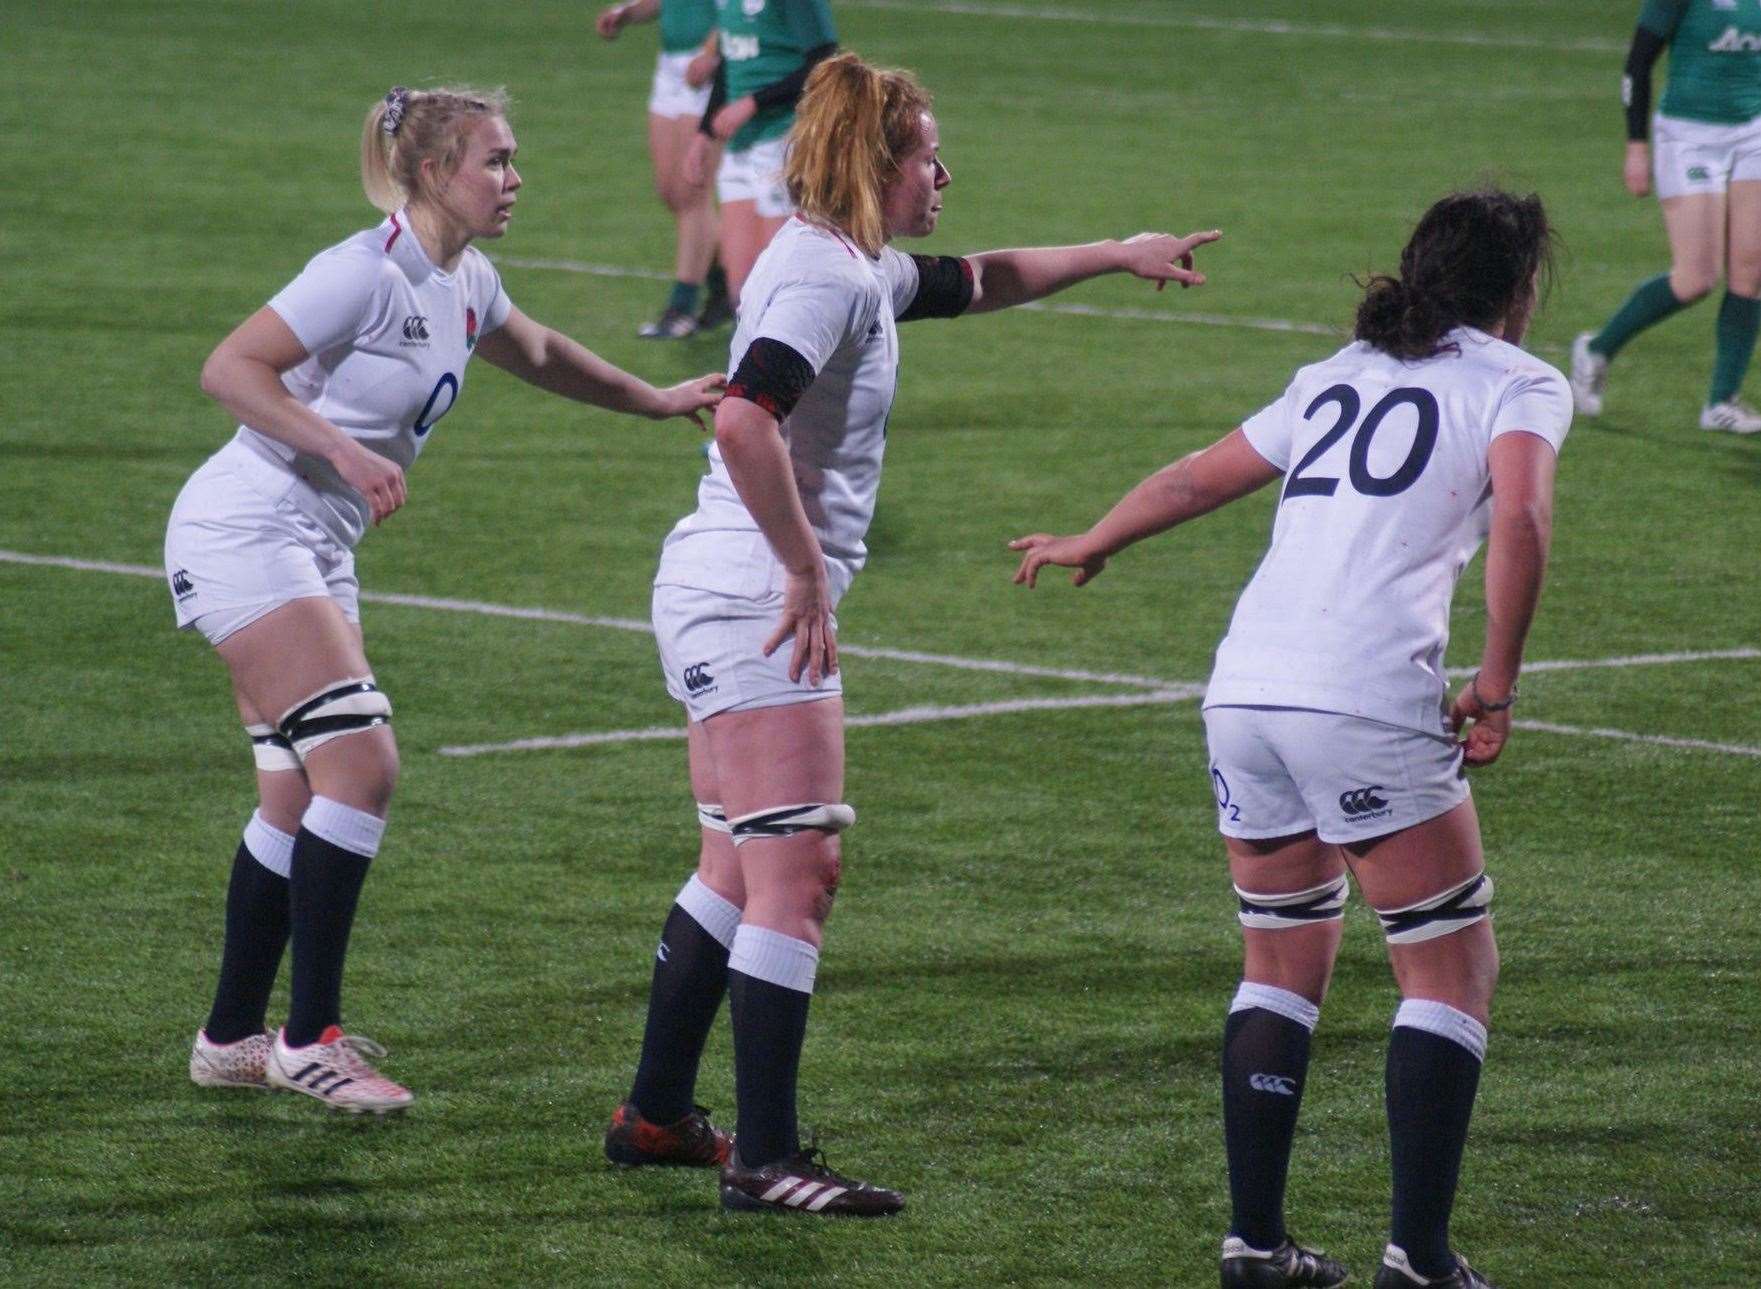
{"type": "Point", "coordinates": [692, 1142]}
{"type": "Point", "coordinates": [1397, 1273]}
{"type": "Point", "coordinates": [1732, 416]}
{"type": "Point", "coordinates": [673, 324]}
{"type": "Point", "coordinates": [230, 1065]}
{"type": "Point", "coordinates": [801, 1183]}
{"type": "Point", "coordinates": [1245, 1267]}
{"type": "Point", "coordinates": [335, 1070]}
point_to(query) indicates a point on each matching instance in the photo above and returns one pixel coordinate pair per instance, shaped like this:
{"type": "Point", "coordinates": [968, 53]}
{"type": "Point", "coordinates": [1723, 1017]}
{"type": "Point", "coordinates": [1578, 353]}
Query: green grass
{"type": "Point", "coordinates": [1024, 983]}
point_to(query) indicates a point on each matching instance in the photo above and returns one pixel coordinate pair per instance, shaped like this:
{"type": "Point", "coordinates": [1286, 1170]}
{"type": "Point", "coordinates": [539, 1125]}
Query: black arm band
{"type": "Point", "coordinates": [944, 288]}
{"type": "Point", "coordinates": [718, 97]}
{"type": "Point", "coordinates": [1635, 81]}
{"type": "Point", "coordinates": [786, 92]}
{"type": "Point", "coordinates": [771, 375]}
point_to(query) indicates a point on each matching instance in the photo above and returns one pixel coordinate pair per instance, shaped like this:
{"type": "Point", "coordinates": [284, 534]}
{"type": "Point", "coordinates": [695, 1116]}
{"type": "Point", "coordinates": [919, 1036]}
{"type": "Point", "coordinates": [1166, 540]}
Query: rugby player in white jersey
{"type": "Point", "coordinates": [337, 384]}
{"type": "Point", "coordinates": [744, 603]}
{"type": "Point", "coordinates": [1333, 741]}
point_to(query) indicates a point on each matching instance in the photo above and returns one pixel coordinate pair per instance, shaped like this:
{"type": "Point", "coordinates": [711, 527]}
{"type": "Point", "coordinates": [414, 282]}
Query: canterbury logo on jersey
{"type": "Point", "coordinates": [181, 586]}
{"type": "Point", "coordinates": [1734, 41]}
{"type": "Point", "coordinates": [697, 678]}
{"type": "Point", "coordinates": [1362, 801]}
{"type": "Point", "coordinates": [415, 330]}
{"type": "Point", "coordinates": [1274, 1083]}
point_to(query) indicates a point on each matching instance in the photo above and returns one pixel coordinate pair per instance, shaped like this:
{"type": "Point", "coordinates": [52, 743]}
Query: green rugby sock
{"type": "Point", "coordinates": [684, 296]}
{"type": "Point", "coordinates": [1739, 317]}
{"type": "Point", "coordinates": [1650, 303]}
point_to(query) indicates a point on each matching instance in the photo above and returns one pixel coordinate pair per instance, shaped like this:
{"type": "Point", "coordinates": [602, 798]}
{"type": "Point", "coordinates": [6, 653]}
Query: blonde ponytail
{"type": "Point", "coordinates": [408, 127]}
{"type": "Point", "coordinates": [853, 126]}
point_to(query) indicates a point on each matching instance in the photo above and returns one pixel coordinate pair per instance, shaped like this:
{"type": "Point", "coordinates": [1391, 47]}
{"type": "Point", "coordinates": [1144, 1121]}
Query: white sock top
{"type": "Point", "coordinates": [771, 955]}
{"type": "Point", "coordinates": [1444, 1021]}
{"type": "Point", "coordinates": [1291, 1006]}
{"type": "Point", "coordinates": [354, 830]}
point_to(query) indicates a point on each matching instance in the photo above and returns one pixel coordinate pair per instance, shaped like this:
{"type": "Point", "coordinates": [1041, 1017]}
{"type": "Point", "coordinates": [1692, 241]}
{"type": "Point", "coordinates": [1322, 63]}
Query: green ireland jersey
{"type": "Point", "coordinates": [1714, 58]}
{"type": "Point", "coordinates": [762, 42]}
{"type": "Point", "coordinates": [685, 24]}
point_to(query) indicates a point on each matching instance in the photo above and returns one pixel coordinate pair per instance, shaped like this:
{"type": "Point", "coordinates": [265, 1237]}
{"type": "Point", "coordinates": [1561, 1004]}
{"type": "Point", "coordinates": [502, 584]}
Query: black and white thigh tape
{"type": "Point", "coordinates": [1323, 903]}
{"type": "Point", "coordinates": [347, 707]}
{"type": "Point", "coordinates": [712, 817]}
{"type": "Point", "coordinates": [270, 750]}
{"type": "Point", "coordinates": [1454, 909]}
{"type": "Point", "coordinates": [785, 821]}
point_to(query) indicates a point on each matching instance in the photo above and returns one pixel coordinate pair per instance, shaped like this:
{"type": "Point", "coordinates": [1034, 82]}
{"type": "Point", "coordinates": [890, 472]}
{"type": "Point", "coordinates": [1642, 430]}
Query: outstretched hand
{"type": "Point", "coordinates": [610, 22]}
{"type": "Point", "coordinates": [690, 399]}
{"type": "Point", "coordinates": [1163, 258]}
{"type": "Point", "coordinates": [1068, 552]}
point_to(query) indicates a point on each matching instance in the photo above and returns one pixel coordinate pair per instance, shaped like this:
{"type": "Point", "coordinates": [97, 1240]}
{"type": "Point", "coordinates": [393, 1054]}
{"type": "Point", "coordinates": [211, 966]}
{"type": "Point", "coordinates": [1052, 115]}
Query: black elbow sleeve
{"type": "Point", "coordinates": [1635, 81]}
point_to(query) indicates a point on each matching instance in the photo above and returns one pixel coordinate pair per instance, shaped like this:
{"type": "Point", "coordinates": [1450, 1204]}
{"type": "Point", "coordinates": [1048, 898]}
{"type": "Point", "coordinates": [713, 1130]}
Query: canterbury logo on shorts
{"type": "Point", "coordinates": [1360, 802]}
{"type": "Point", "coordinates": [697, 678]}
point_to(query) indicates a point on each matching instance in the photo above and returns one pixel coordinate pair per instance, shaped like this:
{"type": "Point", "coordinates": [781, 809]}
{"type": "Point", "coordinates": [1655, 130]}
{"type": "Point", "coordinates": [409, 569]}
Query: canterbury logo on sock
{"type": "Point", "coordinates": [1275, 1083]}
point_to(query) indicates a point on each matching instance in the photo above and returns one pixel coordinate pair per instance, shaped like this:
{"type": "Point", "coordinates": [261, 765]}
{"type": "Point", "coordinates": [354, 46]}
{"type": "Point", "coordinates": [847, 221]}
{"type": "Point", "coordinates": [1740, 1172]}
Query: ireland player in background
{"type": "Point", "coordinates": [767, 48]}
{"type": "Point", "coordinates": [675, 105]}
{"type": "Point", "coordinates": [1708, 169]}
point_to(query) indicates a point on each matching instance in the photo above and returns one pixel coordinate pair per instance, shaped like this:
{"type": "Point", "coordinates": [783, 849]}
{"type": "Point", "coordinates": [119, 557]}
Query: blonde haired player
{"type": "Point", "coordinates": [744, 603]}
{"type": "Point", "coordinates": [1332, 737]}
{"type": "Point", "coordinates": [337, 383]}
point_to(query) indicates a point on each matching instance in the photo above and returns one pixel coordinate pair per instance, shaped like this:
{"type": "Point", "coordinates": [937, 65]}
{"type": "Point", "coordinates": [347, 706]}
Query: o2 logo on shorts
{"type": "Point", "coordinates": [1220, 786]}
{"type": "Point", "coordinates": [430, 412]}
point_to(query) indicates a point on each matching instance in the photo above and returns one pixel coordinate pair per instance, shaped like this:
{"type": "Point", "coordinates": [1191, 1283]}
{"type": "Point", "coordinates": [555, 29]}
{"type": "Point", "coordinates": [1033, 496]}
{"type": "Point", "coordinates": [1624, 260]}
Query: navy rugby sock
{"type": "Point", "coordinates": [1265, 1063]}
{"type": "Point", "coordinates": [256, 933]}
{"type": "Point", "coordinates": [770, 984]}
{"type": "Point", "coordinates": [690, 977]}
{"type": "Point", "coordinates": [1434, 1060]}
{"type": "Point", "coordinates": [331, 853]}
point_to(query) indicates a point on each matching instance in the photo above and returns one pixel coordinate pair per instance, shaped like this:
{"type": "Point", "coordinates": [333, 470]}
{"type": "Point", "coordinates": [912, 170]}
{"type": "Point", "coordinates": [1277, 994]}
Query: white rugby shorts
{"type": "Point", "coordinates": [1703, 157]}
{"type": "Point", "coordinates": [1277, 771]}
{"type": "Point", "coordinates": [711, 652]}
{"type": "Point", "coordinates": [670, 96]}
{"type": "Point", "coordinates": [232, 554]}
{"type": "Point", "coordinates": [756, 175]}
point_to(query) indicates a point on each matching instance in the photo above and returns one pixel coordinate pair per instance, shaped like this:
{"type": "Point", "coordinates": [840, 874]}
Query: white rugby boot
{"type": "Point", "coordinates": [335, 1070]}
{"type": "Point", "coordinates": [1589, 375]}
{"type": "Point", "coordinates": [1732, 416]}
{"type": "Point", "coordinates": [230, 1065]}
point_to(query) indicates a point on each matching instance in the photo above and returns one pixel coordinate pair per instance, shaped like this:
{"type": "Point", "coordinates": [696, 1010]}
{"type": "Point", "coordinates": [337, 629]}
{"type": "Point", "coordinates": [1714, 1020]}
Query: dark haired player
{"type": "Point", "coordinates": [1332, 741]}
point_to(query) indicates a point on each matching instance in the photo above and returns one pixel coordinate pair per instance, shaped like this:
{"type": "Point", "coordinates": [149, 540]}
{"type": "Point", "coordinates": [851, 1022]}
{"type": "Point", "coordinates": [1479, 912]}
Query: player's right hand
{"type": "Point", "coordinates": [610, 21]}
{"type": "Point", "coordinates": [1636, 172]}
{"type": "Point", "coordinates": [380, 481]}
{"type": "Point", "coordinates": [807, 616]}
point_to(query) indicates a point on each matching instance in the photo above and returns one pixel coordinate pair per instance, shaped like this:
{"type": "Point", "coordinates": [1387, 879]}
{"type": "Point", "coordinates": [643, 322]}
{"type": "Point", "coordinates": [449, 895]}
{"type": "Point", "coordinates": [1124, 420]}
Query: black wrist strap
{"type": "Point", "coordinates": [1474, 689]}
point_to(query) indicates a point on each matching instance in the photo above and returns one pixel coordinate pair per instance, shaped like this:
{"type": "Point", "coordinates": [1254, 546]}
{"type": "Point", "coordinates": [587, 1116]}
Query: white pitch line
{"type": "Point", "coordinates": [901, 716]}
{"type": "Point", "coordinates": [1247, 26]}
{"type": "Point", "coordinates": [954, 661]}
{"type": "Point", "coordinates": [1657, 740]}
{"type": "Point", "coordinates": [1038, 306]}
{"type": "Point", "coordinates": [1158, 691]}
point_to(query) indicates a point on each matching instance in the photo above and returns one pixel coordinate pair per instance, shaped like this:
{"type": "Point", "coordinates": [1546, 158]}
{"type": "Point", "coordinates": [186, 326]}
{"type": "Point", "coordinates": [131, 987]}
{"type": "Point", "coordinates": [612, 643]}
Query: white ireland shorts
{"type": "Point", "coordinates": [1701, 156]}
{"type": "Point", "coordinates": [670, 95]}
{"type": "Point", "coordinates": [711, 652]}
{"type": "Point", "coordinates": [756, 175]}
{"type": "Point", "coordinates": [233, 554]}
{"type": "Point", "coordinates": [1277, 771]}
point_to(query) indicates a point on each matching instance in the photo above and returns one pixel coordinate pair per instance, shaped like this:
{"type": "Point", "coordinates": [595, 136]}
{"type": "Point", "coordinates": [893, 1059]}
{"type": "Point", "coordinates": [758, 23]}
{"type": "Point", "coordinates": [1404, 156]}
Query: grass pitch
{"type": "Point", "coordinates": [1024, 983]}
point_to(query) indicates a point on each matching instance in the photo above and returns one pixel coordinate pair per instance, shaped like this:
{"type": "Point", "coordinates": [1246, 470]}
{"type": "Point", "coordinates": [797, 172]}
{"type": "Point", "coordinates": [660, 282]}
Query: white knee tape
{"type": "Point", "coordinates": [347, 707]}
{"type": "Point", "coordinates": [712, 817]}
{"type": "Point", "coordinates": [1454, 909]}
{"type": "Point", "coordinates": [1323, 903]}
{"type": "Point", "coordinates": [785, 821]}
{"type": "Point", "coordinates": [270, 750]}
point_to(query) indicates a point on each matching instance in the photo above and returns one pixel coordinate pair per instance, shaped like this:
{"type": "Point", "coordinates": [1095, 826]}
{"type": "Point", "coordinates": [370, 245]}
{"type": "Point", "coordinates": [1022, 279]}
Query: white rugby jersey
{"type": "Point", "coordinates": [1386, 497]}
{"type": "Point", "coordinates": [389, 335]}
{"type": "Point", "coordinates": [814, 290]}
